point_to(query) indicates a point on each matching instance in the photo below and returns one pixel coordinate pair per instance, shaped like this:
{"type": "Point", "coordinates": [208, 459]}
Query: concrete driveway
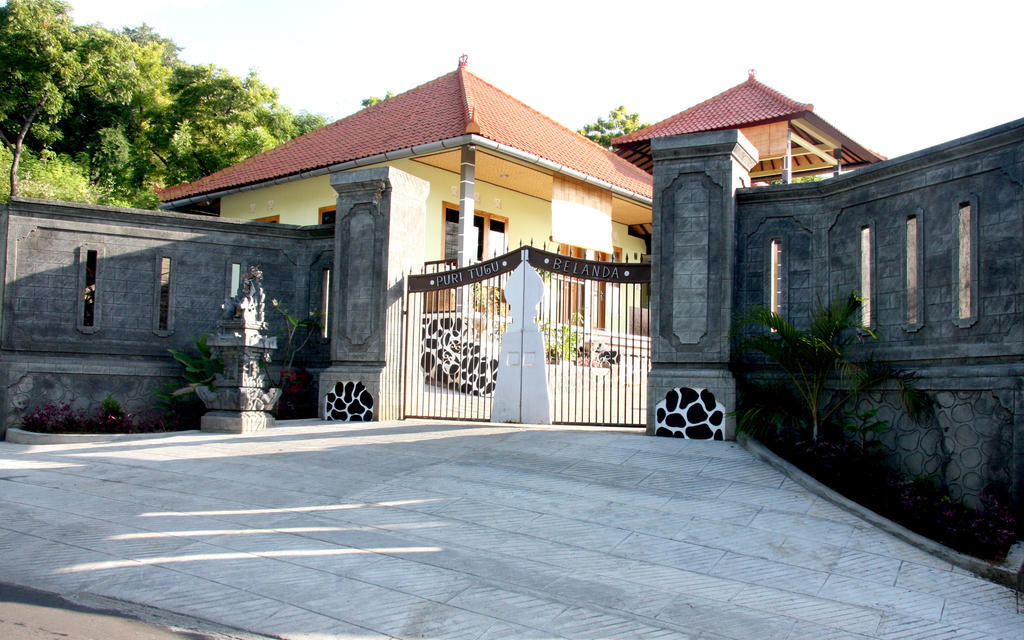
{"type": "Point", "coordinates": [459, 531]}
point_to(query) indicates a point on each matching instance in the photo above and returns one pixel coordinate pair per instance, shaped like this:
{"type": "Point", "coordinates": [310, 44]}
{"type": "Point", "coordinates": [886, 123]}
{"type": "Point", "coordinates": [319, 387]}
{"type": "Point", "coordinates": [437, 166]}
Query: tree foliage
{"type": "Point", "coordinates": [373, 99]}
{"type": "Point", "coordinates": [123, 107]}
{"type": "Point", "coordinates": [619, 123]}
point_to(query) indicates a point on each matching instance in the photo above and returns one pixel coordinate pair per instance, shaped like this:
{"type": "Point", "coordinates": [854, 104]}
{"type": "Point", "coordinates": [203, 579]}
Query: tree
{"type": "Point", "coordinates": [123, 108]}
{"type": "Point", "coordinates": [38, 70]}
{"type": "Point", "coordinates": [215, 119]}
{"type": "Point", "coordinates": [45, 63]}
{"type": "Point", "coordinates": [812, 358]}
{"type": "Point", "coordinates": [619, 123]}
{"type": "Point", "coordinates": [372, 100]}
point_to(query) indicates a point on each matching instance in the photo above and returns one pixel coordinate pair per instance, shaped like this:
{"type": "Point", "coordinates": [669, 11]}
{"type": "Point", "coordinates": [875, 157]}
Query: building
{"type": "Point", "coordinates": [94, 296]}
{"type": "Point", "coordinates": [526, 178]}
{"type": "Point", "coordinates": [790, 138]}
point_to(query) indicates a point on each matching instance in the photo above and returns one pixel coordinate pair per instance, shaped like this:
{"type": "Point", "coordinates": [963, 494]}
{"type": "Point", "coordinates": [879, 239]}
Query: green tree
{"type": "Point", "coordinates": [123, 108]}
{"type": "Point", "coordinates": [215, 119]}
{"type": "Point", "coordinates": [372, 100]}
{"type": "Point", "coordinates": [812, 358]}
{"type": "Point", "coordinates": [46, 62]}
{"type": "Point", "coordinates": [306, 122]}
{"type": "Point", "coordinates": [39, 68]}
{"type": "Point", "coordinates": [619, 123]}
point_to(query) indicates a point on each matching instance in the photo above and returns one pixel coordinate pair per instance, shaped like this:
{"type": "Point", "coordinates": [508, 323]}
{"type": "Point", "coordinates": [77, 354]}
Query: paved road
{"type": "Point", "coordinates": [483, 532]}
{"type": "Point", "coordinates": [30, 614]}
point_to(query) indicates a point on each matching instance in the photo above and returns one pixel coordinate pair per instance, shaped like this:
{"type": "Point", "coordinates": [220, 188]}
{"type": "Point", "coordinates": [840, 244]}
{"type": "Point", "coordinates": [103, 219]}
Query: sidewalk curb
{"type": "Point", "coordinates": [20, 436]}
{"type": "Point", "coordinates": [1008, 573]}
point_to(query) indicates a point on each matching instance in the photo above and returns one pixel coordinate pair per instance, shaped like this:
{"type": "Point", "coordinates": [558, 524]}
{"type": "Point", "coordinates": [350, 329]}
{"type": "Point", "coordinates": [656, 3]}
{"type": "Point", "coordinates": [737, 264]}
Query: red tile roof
{"type": "Point", "coordinates": [749, 103]}
{"type": "Point", "coordinates": [448, 107]}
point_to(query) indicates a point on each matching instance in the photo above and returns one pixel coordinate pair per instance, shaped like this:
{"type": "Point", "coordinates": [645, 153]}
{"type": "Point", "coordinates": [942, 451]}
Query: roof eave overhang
{"type": "Point", "coordinates": [414, 151]}
{"type": "Point", "coordinates": [848, 143]}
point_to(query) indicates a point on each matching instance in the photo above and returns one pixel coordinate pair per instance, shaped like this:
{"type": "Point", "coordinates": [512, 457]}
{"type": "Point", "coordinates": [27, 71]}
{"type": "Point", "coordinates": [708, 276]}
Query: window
{"type": "Point", "coordinates": [268, 219]}
{"type": "Point", "coordinates": [325, 302]}
{"type": "Point", "coordinates": [234, 279]}
{"type": "Point", "coordinates": [89, 281]}
{"type": "Point", "coordinates": [571, 304]}
{"type": "Point", "coordinates": [571, 291]}
{"type": "Point", "coordinates": [965, 262]}
{"type": "Point", "coordinates": [913, 272]}
{"type": "Point", "coordinates": [163, 295]}
{"type": "Point", "coordinates": [89, 291]}
{"type": "Point", "coordinates": [865, 276]}
{"type": "Point", "coordinates": [491, 234]}
{"type": "Point", "coordinates": [775, 270]}
{"type": "Point", "coordinates": [327, 215]}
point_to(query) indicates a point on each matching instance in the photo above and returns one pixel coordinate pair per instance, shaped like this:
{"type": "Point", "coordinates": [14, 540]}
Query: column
{"type": "Point", "coordinates": [693, 255]}
{"type": "Point", "coordinates": [378, 238]}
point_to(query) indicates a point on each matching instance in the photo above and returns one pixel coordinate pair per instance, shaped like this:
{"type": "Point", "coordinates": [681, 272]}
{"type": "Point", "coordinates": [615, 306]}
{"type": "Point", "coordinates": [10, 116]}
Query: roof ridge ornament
{"type": "Point", "coordinates": [472, 126]}
{"type": "Point", "coordinates": [751, 75]}
{"type": "Point", "coordinates": [463, 61]}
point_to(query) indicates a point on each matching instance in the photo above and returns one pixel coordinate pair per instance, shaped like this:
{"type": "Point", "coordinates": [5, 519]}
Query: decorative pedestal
{"type": "Point", "coordinates": [240, 398]}
{"type": "Point", "coordinates": [237, 421]}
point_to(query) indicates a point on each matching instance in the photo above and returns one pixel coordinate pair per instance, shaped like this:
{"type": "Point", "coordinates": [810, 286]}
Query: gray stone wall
{"type": "Point", "coordinates": [48, 354]}
{"type": "Point", "coordinates": [972, 365]}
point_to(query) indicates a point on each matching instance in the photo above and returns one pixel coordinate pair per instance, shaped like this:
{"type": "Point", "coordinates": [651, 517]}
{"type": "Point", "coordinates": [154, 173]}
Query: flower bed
{"type": "Point", "coordinates": [105, 419]}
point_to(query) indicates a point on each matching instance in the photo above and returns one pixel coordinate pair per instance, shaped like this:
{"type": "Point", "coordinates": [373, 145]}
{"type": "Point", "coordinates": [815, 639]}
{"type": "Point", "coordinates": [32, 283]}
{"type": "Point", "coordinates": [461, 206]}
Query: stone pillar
{"type": "Point", "coordinates": [378, 239]}
{"type": "Point", "coordinates": [693, 258]}
{"type": "Point", "coordinates": [240, 399]}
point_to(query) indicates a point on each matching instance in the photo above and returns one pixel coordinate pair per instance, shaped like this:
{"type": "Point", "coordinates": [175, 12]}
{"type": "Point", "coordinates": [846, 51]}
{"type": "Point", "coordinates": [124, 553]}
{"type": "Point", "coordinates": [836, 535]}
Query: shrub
{"type": "Point", "coordinates": [109, 417]}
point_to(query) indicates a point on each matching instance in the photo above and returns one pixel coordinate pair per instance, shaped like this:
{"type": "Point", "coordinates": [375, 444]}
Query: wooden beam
{"type": "Point", "coordinates": [797, 152]}
{"type": "Point", "coordinates": [797, 169]}
{"type": "Point", "coordinates": [806, 144]}
{"type": "Point", "coordinates": [811, 130]}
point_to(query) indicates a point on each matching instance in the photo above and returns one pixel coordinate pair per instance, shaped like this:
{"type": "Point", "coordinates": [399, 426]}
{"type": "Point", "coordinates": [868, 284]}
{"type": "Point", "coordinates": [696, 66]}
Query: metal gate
{"type": "Point", "coordinates": [594, 318]}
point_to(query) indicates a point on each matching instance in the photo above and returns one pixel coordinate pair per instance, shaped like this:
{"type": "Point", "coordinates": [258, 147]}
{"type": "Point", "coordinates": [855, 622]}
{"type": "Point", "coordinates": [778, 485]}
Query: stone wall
{"type": "Point", "coordinates": [48, 350]}
{"type": "Point", "coordinates": [968, 357]}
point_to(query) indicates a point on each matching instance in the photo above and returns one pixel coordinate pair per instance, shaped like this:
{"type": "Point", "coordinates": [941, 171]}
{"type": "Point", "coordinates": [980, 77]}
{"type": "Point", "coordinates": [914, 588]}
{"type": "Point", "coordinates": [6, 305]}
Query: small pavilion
{"type": "Point", "coordinates": [791, 139]}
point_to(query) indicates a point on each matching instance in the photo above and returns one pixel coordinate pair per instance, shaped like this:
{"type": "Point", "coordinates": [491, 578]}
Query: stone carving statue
{"type": "Point", "coordinates": [250, 303]}
{"type": "Point", "coordinates": [240, 398]}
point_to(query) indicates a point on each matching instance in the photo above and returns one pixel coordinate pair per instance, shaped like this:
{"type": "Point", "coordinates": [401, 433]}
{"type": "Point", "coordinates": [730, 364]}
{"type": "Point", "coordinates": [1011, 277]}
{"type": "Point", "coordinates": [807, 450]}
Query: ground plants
{"type": "Point", "coordinates": [563, 341]}
{"type": "Point", "coordinates": [809, 409]}
{"type": "Point", "coordinates": [108, 417]}
{"type": "Point", "coordinates": [179, 402]}
{"type": "Point", "coordinates": [818, 366]}
{"type": "Point", "coordinates": [298, 395]}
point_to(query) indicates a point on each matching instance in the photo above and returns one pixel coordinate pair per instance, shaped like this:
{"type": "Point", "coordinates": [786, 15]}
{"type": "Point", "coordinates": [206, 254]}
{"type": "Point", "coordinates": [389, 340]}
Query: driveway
{"type": "Point", "coordinates": [429, 530]}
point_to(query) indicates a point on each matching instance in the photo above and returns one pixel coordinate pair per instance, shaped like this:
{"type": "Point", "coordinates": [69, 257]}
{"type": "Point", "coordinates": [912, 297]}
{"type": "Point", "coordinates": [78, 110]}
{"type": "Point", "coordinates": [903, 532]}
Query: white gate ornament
{"type": "Point", "coordinates": [521, 391]}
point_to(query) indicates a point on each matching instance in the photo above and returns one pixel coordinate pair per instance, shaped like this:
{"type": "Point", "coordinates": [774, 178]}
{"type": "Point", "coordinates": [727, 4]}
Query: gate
{"type": "Point", "coordinates": [594, 319]}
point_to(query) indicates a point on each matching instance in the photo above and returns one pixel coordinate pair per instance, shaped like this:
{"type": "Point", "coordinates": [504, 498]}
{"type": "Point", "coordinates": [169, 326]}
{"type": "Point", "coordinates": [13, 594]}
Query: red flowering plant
{"type": "Point", "coordinates": [109, 417]}
{"type": "Point", "coordinates": [297, 397]}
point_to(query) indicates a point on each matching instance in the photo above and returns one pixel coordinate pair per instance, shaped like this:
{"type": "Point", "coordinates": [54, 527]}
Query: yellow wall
{"type": "Point", "coordinates": [296, 202]}
{"type": "Point", "coordinates": [529, 218]}
{"type": "Point", "coordinates": [629, 244]}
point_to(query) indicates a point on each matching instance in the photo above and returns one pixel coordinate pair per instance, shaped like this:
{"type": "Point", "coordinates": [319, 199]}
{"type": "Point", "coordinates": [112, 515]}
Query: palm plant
{"type": "Point", "coordinates": [812, 358]}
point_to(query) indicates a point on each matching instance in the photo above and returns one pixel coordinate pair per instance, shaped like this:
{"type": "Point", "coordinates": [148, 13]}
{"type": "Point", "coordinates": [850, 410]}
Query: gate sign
{"type": "Point", "coordinates": [545, 260]}
{"type": "Point", "coordinates": [590, 269]}
{"type": "Point", "coordinates": [466, 275]}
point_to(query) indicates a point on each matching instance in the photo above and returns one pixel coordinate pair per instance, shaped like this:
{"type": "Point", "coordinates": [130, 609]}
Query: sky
{"type": "Point", "coordinates": [896, 76]}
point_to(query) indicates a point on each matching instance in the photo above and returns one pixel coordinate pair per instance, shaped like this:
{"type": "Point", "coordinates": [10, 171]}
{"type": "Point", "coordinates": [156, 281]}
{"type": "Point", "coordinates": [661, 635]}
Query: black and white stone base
{"type": "Point", "coordinates": [690, 413]}
{"type": "Point", "coordinates": [349, 402]}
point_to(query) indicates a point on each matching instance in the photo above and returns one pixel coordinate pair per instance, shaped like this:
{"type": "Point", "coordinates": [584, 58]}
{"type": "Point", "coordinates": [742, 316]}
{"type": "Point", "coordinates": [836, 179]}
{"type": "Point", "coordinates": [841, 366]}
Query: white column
{"type": "Point", "coordinates": [467, 205]}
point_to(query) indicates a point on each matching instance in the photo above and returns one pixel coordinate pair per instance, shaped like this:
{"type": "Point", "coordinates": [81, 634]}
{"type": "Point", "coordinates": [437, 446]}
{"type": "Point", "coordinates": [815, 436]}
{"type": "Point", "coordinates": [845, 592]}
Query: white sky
{"type": "Point", "coordinates": [896, 76]}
